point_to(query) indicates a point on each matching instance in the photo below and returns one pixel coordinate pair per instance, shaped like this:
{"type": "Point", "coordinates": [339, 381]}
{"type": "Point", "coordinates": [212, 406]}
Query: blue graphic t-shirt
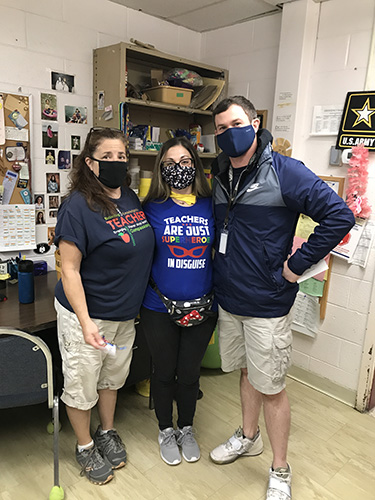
{"type": "Point", "coordinates": [184, 236]}
{"type": "Point", "coordinates": [116, 252]}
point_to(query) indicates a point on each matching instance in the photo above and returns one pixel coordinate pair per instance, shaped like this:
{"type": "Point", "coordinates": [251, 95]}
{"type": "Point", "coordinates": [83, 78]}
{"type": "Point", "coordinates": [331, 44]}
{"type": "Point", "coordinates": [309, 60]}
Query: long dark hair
{"type": "Point", "coordinates": [82, 178]}
{"type": "Point", "coordinates": [160, 190]}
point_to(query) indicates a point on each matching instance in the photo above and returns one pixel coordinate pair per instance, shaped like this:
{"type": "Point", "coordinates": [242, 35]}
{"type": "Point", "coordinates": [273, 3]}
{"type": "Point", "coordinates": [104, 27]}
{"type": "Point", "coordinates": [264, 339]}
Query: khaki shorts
{"type": "Point", "coordinates": [86, 369]}
{"type": "Point", "coordinates": [262, 345]}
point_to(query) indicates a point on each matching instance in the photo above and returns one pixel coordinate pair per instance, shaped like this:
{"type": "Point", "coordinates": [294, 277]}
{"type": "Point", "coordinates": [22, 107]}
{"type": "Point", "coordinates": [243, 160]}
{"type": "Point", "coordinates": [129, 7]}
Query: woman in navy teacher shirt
{"type": "Point", "coordinates": [179, 208]}
{"type": "Point", "coordinates": [106, 247]}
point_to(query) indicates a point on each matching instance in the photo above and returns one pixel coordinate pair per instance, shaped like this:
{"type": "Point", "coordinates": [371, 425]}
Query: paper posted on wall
{"type": "Point", "coordinates": [346, 248]}
{"type": "Point", "coordinates": [362, 252]}
{"type": "Point", "coordinates": [306, 314]}
{"type": "Point", "coordinates": [315, 269]}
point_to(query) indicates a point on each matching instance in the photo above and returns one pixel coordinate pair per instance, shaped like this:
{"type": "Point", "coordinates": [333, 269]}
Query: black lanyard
{"type": "Point", "coordinates": [232, 193]}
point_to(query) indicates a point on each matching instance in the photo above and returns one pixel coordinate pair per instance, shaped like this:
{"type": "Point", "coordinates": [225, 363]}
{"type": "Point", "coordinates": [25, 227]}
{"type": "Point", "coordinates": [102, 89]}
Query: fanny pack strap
{"type": "Point", "coordinates": [154, 286]}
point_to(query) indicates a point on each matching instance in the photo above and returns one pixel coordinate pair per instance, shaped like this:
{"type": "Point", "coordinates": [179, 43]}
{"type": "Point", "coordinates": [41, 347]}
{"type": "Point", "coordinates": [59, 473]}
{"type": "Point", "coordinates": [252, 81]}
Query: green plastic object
{"type": "Point", "coordinates": [212, 359]}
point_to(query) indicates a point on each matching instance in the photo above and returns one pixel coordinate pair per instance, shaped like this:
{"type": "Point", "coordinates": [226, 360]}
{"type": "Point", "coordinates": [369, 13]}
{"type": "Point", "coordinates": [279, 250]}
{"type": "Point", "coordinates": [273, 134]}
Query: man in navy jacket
{"type": "Point", "coordinates": [258, 196]}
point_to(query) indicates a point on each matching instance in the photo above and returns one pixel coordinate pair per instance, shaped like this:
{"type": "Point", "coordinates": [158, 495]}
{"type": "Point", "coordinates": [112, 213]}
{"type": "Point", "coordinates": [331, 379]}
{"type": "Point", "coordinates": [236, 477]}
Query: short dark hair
{"type": "Point", "coordinates": [239, 100]}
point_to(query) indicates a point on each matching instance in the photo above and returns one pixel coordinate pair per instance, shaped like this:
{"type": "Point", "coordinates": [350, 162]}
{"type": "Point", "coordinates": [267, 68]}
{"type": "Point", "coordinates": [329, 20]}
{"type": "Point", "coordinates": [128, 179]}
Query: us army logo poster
{"type": "Point", "coordinates": [358, 121]}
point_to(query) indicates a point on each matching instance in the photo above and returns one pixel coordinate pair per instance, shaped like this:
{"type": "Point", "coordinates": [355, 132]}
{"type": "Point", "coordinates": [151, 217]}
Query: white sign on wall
{"type": "Point", "coordinates": [326, 120]}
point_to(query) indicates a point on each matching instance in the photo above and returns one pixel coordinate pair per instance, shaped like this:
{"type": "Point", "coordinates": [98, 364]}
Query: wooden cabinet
{"type": "Point", "coordinates": [121, 67]}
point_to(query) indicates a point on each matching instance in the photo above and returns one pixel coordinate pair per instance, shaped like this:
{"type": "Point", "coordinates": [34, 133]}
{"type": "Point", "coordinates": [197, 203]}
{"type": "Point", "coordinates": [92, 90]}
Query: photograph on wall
{"type": "Point", "coordinates": [39, 217]}
{"type": "Point", "coordinates": [62, 82]}
{"type": "Point", "coordinates": [50, 135]}
{"type": "Point", "coordinates": [75, 142]}
{"type": "Point", "coordinates": [22, 183]}
{"type": "Point", "coordinates": [53, 183]}
{"type": "Point", "coordinates": [48, 107]}
{"type": "Point", "coordinates": [100, 100]}
{"type": "Point", "coordinates": [63, 160]}
{"type": "Point", "coordinates": [75, 114]}
{"type": "Point", "coordinates": [51, 235]}
{"type": "Point", "coordinates": [50, 158]}
{"type": "Point", "coordinates": [53, 214]}
{"type": "Point", "coordinates": [39, 201]}
{"type": "Point", "coordinates": [358, 121]}
{"type": "Point", "coordinates": [53, 202]}
{"type": "Point", "coordinates": [18, 119]}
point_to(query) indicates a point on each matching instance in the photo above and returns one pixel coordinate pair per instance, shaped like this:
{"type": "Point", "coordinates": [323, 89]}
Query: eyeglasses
{"type": "Point", "coordinates": [100, 129]}
{"type": "Point", "coordinates": [180, 252]}
{"type": "Point", "coordinates": [185, 162]}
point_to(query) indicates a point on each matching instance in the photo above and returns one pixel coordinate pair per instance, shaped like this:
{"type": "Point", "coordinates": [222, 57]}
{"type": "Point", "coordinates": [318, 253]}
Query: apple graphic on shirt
{"type": "Point", "coordinates": [125, 237]}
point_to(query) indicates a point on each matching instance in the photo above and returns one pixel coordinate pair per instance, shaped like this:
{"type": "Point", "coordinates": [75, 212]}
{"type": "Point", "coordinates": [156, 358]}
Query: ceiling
{"type": "Point", "coordinates": [206, 15]}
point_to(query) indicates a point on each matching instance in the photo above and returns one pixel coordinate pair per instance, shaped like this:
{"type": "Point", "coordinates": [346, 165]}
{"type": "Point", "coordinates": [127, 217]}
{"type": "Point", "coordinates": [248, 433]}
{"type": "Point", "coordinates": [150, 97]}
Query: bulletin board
{"type": "Point", "coordinates": [337, 184]}
{"type": "Point", "coordinates": [15, 167]}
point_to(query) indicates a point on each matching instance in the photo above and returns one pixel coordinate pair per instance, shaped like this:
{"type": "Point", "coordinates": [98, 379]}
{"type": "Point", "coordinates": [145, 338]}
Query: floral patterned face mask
{"type": "Point", "coordinates": [176, 175]}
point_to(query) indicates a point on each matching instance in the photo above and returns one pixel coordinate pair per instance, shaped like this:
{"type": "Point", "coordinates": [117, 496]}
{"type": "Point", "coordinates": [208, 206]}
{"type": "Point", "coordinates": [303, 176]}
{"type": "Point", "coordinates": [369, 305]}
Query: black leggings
{"type": "Point", "coordinates": [177, 354]}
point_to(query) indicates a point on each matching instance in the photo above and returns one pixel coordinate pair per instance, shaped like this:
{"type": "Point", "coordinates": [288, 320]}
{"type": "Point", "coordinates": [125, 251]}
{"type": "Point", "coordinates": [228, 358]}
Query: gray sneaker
{"type": "Point", "coordinates": [111, 447]}
{"type": "Point", "coordinates": [189, 446]}
{"type": "Point", "coordinates": [237, 446]}
{"type": "Point", "coordinates": [169, 451]}
{"type": "Point", "coordinates": [97, 469]}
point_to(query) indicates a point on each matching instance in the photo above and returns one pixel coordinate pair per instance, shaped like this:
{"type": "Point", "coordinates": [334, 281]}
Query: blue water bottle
{"type": "Point", "coordinates": [25, 281]}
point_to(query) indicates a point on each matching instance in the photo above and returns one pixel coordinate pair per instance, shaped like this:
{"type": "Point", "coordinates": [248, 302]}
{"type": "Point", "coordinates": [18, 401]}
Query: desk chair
{"type": "Point", "coordinates": [26, 378]}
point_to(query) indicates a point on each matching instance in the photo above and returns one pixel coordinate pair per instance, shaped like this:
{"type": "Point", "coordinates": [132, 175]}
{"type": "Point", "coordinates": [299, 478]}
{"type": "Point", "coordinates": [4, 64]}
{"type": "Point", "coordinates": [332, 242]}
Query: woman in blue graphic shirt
{"type": "Point", "coordinates": [179, 208]}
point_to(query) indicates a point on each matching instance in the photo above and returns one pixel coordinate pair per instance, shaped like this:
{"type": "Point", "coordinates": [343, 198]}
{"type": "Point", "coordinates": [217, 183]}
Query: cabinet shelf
{"type": "Point", "coordinates": [123, 67]}
{"type": "Point", "coordinates": [169, 107]}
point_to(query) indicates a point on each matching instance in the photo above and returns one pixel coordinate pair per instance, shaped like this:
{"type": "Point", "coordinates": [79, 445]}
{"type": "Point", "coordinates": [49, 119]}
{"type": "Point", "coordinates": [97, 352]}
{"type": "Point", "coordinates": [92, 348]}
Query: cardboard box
{"type": "Point", "coordinates": [170, 95]}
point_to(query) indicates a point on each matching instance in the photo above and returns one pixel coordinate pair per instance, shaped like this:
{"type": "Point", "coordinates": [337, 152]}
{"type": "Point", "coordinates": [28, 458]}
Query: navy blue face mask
{"type": "Point", "coordinates": [236, 141]}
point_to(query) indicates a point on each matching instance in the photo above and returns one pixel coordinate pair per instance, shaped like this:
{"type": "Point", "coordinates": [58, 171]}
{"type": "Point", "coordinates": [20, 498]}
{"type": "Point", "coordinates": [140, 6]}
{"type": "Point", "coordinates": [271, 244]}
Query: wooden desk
{"type": "Point", "coordinates": [35, 317]}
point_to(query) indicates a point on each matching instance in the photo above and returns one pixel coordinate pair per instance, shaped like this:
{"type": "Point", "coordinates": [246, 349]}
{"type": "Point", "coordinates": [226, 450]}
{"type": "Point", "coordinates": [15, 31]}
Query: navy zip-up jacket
{"type": "Point", "coordinates": [273, 191]}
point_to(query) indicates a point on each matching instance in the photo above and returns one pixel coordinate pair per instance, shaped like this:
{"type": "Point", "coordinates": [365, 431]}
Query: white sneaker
{"type": "Point", "coordinates": [280, 484]}
{"type": "Point", "coordinates": [237, 446]}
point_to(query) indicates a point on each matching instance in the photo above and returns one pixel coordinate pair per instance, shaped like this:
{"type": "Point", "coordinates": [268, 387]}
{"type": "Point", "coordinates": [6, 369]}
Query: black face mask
{"type": "Point", "coordinates": [112, 173]}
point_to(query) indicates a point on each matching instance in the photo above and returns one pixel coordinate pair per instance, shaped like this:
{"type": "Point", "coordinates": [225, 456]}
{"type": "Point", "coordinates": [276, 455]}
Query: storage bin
{"type": "Point", "coordinates": [170, 95]}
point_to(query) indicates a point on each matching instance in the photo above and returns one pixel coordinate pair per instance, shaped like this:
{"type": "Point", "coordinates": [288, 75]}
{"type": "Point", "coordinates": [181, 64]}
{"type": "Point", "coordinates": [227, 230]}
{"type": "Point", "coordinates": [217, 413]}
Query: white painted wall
{"type": "Point", "coordinates": [249, 51]}
{"type": "Point", "coordinates": [340, 65]}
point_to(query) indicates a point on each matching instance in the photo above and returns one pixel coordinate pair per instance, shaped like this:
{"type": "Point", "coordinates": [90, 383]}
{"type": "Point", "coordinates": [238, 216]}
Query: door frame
{"type": "Point", "coordinates": [367, 369]}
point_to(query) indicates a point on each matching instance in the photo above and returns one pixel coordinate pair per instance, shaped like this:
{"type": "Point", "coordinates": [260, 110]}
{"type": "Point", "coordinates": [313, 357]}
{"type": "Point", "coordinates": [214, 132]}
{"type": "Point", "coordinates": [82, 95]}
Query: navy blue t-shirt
{"type": "Point", "coordinates": [184, 236]}
{"type": "Point", "coordinates": [117, 253]}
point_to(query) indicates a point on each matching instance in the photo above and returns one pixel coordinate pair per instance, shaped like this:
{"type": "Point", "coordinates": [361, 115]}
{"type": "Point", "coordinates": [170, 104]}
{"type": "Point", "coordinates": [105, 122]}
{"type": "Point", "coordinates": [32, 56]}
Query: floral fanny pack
{"type": "Point", "coordinates": [187, 312]}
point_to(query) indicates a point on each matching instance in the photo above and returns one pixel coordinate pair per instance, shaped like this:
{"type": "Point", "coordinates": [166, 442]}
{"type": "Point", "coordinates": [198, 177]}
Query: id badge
{"type": "Point", "coordinates": [223, 241]}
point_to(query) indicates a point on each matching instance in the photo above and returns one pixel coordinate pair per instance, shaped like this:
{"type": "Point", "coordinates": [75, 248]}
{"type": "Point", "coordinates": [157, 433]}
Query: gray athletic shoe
{"type": "Point", "coordinates": [237, 446]}
{"type": "Point", "coordinates": [189, 446]}
{"type": "Point", "coordinates": [111, 447]}
{"type": "Point", "coordinates": [169, 451]}
{"type": "Point", "coordinates": [97, 469]}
